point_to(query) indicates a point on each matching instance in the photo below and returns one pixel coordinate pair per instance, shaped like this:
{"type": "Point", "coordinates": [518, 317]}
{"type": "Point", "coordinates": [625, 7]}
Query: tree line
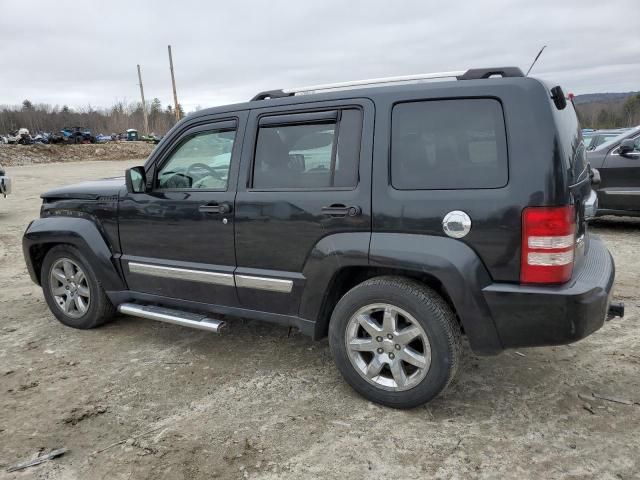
{"type": "Point", "coordinates": [610, 114]}
{"type": "Point", "coordinates": [122, 116]}
{"type": "Point", "coordinates": [115, 119]}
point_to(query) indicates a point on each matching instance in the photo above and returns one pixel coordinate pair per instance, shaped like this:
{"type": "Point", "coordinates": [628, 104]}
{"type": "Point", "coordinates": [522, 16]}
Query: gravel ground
{"type": "Point", "coordinates": [15, 155]}
{"type": "Point", "coordinates": [258, 403]}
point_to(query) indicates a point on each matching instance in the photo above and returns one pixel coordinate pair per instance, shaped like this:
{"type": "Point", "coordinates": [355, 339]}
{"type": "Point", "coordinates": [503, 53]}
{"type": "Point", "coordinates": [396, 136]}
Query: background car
{"type": "Point", "coordinates": [618, 161]}
{"type": "Point", "coordinates": [596, 138]}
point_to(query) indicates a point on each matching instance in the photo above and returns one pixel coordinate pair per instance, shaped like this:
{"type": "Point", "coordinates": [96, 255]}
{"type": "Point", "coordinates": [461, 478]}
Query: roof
{"type": "Point", "coordinates": [362, 88]}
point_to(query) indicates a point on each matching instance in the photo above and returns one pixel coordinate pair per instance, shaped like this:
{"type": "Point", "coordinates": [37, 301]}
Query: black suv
{"type": "Point", "coordinates": [393, 218]}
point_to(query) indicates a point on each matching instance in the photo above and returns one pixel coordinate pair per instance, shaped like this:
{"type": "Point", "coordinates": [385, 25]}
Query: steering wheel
{"type": "Point", "coordinates": [202, 166]}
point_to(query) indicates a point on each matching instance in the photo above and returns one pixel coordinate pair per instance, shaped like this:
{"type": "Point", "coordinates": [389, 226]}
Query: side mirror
{"type": "Point", "coordinates": [136, 180]}
{"type": "Point", "coordinates": [627, 146]}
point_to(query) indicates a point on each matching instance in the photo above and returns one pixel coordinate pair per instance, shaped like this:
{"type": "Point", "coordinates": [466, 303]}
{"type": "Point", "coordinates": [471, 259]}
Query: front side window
{"type": "Point", "coordinates": [448, 144]}
{"type": "Point", "coordinates": [310, 155]}
{"type": "Point", "coordinates": [200, 162]}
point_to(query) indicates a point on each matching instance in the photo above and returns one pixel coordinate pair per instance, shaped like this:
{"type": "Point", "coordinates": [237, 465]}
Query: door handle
{"type": "Point", "coordinates": [339, 210]}
{"type": "Point", "coordinates": [220, 208]}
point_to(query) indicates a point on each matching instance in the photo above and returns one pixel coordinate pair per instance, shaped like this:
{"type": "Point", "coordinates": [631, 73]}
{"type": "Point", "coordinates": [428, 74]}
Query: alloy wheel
{"type": "Point", "coordinates": [388, 347]}
{"type": "Point", "coordinates": [69, 287]}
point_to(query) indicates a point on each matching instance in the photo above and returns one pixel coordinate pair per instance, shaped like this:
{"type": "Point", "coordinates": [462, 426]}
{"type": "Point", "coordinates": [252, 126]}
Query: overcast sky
{"type": "Point", "coordinates": [78, 54]}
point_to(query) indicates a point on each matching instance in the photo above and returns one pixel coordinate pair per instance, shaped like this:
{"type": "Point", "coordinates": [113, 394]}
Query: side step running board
{"type": "Point", "coordinates": [177, 317]}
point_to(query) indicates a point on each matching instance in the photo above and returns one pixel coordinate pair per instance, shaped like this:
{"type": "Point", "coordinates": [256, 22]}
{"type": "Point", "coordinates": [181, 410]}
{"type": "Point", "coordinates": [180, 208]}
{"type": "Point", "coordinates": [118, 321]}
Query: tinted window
{"type": "Point", "coordinates": [569, 139]}
{"type": "Point", "coordinates": [309, 155]}
{"type": "Point", "coordinates": [448, 144]}
{"type": "Point", "coordinates": [202, 161]}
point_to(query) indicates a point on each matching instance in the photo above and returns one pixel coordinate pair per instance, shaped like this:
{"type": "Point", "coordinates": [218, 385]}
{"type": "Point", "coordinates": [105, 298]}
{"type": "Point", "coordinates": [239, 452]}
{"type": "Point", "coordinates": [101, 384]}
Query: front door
{"type": "Point", "coordinates": [177, 240]}
{"type": "Point", "coordinates": [305, 180]}
{"type": "Point", "coordinates": [620, 180]}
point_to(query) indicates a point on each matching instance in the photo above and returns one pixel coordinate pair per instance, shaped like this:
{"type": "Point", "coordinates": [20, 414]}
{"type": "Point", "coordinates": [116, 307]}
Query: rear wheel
{"type": "Point", "coordinates": [72, 290]}
{"type": "Point", "coordinates": [395, 341]}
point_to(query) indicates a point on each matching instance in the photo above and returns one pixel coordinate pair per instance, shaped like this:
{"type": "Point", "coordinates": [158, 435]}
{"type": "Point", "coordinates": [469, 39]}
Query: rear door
{"type": "Point", "coordinates": [305, 176]}
{"type": "Point", "coordinates": [620, 179]}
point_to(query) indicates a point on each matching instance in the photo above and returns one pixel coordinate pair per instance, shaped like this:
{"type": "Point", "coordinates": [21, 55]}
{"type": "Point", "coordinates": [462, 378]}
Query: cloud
{"type": "Point", "coordinates": [226, 52]}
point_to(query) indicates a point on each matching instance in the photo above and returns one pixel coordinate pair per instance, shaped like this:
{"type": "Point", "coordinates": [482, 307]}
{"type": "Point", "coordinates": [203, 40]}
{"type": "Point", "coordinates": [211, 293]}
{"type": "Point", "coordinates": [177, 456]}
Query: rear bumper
{"type": "Point", "coordinates": [527, 316]}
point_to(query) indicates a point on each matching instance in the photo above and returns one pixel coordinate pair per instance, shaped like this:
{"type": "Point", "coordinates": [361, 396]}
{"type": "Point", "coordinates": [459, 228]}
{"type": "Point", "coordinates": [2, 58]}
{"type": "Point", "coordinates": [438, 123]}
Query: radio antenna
{"type": "Point", "coordinates": [535, 60]}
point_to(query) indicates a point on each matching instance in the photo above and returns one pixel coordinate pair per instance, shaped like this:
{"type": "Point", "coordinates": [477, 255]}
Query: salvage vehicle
{"type": "Point", "coordinates": [20, 137]}
{"type": "Point", "coordinates": [131, 135]}
{"type": "Point", "coordinates": [618, 162]}
{"type": "Point", "coordinates": [5, 183]}
{"type": "Point", "coordinates": [392, 217]}
{"type": "Point", "coordinates": [77, 135]}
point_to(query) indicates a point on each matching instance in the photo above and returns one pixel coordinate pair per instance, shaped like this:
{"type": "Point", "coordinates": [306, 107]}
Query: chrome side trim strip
{"type": "Point", "coordinates": [263, 283]}
{"type": "Point", "coordinates": [622, 192]}
{"type": "Point", "coordinates": [215, 278]}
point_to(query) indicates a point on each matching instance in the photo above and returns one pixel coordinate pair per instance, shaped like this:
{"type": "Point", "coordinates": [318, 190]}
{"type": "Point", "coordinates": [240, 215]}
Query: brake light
{"type": "Point", "coordinates": [548, 244]}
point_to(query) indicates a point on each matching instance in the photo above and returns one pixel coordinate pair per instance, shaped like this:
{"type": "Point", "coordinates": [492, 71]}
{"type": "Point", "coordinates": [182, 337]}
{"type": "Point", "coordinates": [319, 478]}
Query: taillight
{"type": "Point", "coordinates": [548, 244]}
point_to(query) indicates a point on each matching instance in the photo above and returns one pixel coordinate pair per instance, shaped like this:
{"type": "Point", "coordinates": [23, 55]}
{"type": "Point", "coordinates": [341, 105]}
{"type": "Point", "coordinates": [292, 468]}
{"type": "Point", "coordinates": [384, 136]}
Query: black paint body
{"type": "Point", "coordinates": [286, 235]}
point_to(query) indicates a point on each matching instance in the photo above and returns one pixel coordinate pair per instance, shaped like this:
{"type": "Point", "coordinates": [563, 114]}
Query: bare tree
{"type": "Point", "coordinates": [115, 119]}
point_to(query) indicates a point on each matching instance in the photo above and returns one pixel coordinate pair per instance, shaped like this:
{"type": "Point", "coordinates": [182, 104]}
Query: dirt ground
{"type": "Point", "coordinates": [14, 155]}
{"type": "Point", "coordinates": [257, 403]}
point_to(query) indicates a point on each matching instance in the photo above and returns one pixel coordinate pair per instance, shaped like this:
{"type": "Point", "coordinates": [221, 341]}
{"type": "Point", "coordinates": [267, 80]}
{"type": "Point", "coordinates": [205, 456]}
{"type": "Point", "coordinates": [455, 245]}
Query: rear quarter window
{"type": "Point", "coordinates": [571, 146]}
{"type": "Point", "coordinates": [448, 144]}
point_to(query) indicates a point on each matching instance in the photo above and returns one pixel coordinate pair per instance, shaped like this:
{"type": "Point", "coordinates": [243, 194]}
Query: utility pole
{"type": "Point", "coordinates": [173, 82]}
{"type": "Point", "coordinates": [144, 105]}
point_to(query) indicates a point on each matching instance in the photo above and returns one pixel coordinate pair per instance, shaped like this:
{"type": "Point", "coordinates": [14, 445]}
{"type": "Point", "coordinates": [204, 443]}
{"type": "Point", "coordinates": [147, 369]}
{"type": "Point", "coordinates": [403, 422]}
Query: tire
{"type": "Point", "coordinates": [415, 305]}
{"type": "Point", "coordinates": [88, 291]}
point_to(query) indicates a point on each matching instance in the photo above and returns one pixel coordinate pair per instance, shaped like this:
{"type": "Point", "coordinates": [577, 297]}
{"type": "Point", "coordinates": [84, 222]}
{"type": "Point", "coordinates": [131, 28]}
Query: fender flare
{"type": "Point", "coordinates": [457, 268]}
{"type": "Point", "coordinates": [83, 234]}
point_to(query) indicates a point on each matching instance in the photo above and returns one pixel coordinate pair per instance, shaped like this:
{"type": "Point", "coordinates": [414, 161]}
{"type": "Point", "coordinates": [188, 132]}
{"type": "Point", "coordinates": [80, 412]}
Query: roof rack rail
{"type": "Point", "coordinates": [480, 73]}
{"type": "Point", "coordinates": [471, 74]}
{"type": "Point", "coordinates": [271, 94]}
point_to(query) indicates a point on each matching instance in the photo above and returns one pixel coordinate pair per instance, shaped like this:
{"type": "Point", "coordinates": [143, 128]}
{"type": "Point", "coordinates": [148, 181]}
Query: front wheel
{"type": "Point", "coordinates": [72, 290]}
{"type": "Point", "coordinates": [395, 341]}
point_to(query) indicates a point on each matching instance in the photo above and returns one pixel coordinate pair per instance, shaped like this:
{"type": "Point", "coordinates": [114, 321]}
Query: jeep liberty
{"type": "Point", "coordinates": [392, 215]}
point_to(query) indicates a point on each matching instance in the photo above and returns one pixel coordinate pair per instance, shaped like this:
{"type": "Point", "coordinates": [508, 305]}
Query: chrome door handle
{"type": "Point", "coordinates": [339, 210]}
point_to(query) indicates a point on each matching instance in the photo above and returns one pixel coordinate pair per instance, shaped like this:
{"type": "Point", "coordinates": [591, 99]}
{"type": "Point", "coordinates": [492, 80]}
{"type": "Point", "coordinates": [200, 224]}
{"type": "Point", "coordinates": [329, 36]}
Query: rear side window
{"type": "Point", "coordinates": [569, 140]}
{"type": "Point", "coordinates": [448, 144]}
{"type": "Point", "coordinates": [313, 154]}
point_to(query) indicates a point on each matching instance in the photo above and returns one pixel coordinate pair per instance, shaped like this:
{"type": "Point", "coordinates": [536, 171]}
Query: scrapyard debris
{"type": "Point", "coordinates": [588, 408]}
{"type": "Point", "coordinates": [77, 415]}
{"type": "Point", "coordinates": [38, 460]}
{"type": "Point", "coordinates": [74, 136]}
{"type": "Point", "coordinates": [608, 398]}
{"type": "Point", "coordinates": [115, 444]}
{"type": "Point", "coordinates": [20, 136]}
{"type": "Point", "coordinates": [613, 399]}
